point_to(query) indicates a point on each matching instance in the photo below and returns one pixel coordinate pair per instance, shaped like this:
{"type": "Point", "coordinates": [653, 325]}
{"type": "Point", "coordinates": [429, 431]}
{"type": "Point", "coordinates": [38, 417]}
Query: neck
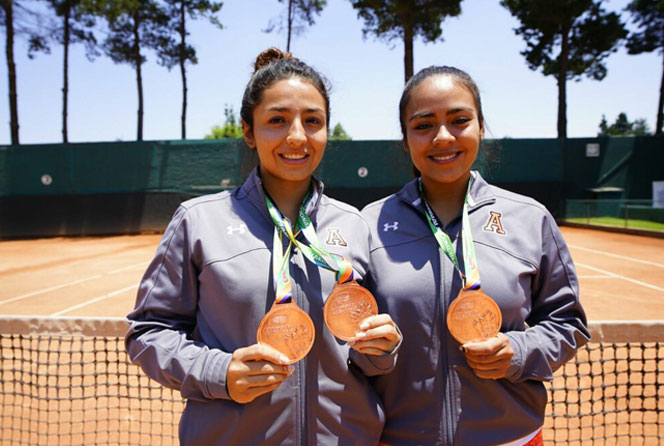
{"type": "Point", "coordinates": [446, 199]}
{"type": "Point", "coordinates": [286, 195]}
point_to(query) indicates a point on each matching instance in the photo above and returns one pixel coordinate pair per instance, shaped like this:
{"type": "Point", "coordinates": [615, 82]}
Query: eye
{"type": "Point", "coordinates": [422, 126]}
{"type": "Point", "coordinates": [276, 120]}
{"type": "Point", "coordinates": [314, 120]}
{"type": "Point", "coordinates": [460, 120]}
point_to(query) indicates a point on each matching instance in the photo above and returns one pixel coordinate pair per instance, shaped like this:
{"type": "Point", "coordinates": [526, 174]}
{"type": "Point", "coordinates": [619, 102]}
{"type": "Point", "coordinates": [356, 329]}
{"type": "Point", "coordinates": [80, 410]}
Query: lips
{"type": "Point", "coordinates": [444, 157]}
{"type": "Point", "coordinates": [294, 157]}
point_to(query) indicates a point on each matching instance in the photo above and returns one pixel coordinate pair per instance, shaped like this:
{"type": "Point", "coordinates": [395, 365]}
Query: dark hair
{"type": "Point", "coordinates": [273, 65]}
{"type": "Point", "coordinates": [459, 75]}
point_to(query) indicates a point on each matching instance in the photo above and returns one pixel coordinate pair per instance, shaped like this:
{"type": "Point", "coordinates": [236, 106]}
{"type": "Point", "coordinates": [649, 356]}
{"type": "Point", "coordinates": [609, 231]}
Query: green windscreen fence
{"type": "Point", "coordinates": [117, 187]}
{"type": "Point", "coordinates": [102, 168]}
{"type": "Point", "coordinates": [107, 168]}
{"type": "Point", "coordinates": [622, 167]}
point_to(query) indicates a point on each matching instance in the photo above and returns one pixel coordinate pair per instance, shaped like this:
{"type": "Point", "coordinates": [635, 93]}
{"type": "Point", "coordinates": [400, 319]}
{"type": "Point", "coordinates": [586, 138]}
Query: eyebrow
{"type": "Point", "coordinates": [449, 112]}
{"type": "Point", "coordinates": [285, 109]}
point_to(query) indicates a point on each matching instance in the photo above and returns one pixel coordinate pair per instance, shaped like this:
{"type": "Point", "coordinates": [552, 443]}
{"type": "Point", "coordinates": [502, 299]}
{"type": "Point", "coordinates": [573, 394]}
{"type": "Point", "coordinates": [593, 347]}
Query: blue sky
{"type": "Point", "coordinates": [366, 75]}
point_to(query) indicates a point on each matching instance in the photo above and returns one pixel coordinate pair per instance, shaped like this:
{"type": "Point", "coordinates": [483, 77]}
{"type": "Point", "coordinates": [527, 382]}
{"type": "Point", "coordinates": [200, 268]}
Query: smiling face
{"type": "Point", "coordinates": [443, 131]}
{"type": "Point", "coordinates": [289, 132]}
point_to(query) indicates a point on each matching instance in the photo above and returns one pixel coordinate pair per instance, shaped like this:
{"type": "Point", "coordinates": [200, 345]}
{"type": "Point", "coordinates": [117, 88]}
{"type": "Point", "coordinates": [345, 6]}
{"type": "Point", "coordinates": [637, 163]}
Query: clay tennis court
{"type": "Point", "coordinates": [621, 276]}
{"type": "Point", "coordinates": [608, 396]}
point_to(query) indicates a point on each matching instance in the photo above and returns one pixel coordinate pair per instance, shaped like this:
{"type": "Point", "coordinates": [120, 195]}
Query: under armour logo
{"type": "Point", "coordinates": [241, 228]}
{"type": "Point", "coordinates": [334, 237]}
{"type": "Point", "coordinates": [394, 226]}
{"type": "Point", "coordinates": [494, 224]}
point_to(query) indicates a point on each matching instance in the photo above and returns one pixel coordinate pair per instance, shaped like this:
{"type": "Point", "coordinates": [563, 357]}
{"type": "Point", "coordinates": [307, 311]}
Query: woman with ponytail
{"type": "Point", "coordinates": [234, 267]}
{"type": "Point", "coordinates": [479, 280]}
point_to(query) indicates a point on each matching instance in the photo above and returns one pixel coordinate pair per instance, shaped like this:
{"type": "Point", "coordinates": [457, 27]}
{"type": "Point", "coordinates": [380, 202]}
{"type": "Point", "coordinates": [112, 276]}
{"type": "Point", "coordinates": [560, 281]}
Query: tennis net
{"type": "Point", "coordinates": [67, 381]}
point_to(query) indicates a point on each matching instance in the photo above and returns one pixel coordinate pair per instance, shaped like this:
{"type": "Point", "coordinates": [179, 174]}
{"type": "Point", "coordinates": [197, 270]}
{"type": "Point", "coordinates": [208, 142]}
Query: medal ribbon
{"type": "Point", "coordinates": [281, 269]}
{"type": "Point", "coordinates": [471, 279]}
{"type": "Point", "coordinates": [315, 251]}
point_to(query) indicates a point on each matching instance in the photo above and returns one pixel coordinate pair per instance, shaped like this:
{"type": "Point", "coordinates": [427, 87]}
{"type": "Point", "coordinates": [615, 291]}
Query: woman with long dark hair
{"type": "Point", "coordinates": [231, 310]}
{"type": "Point", "coordinates": [478, 279]}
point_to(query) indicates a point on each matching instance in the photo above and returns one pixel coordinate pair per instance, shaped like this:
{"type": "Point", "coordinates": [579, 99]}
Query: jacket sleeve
{"type": "Point", "coordinates": [161, 334]}
{"type": "Point", "coordinates": [372, 365]}
{"type": "Point", "coordinates": [557, 324]}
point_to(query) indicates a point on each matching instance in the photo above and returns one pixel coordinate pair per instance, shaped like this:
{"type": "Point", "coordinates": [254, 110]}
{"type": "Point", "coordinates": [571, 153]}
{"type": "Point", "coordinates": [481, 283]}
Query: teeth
{"type": "Point", "coordinates": [444, 157]}
{"type": "Point", "coordinates": [293, 156]}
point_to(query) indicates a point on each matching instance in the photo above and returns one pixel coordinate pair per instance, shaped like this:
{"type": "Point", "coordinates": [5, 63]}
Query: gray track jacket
{"type": "Point", "coordinates": [203, 296]}
{"type": "Point", "coordinates": [432, 397]}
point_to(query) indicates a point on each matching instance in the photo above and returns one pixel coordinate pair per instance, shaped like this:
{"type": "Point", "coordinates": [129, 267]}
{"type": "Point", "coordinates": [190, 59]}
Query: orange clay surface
{"type": "Point", "coordinates": [621, 276]}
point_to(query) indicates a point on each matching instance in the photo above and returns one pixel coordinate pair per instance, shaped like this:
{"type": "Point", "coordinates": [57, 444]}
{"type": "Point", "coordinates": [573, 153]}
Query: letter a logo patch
{"type": "Point", "coordinates": [334, 238]}
{"type": "Point", "coordinates": [494, 224]}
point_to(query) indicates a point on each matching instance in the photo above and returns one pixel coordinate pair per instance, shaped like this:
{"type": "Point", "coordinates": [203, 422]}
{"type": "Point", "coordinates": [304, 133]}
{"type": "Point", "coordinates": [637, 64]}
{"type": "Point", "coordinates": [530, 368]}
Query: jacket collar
{"type": "Point", "coordinates": [480, 194]}
{"type": "Point", "coordinates": [253, 190]}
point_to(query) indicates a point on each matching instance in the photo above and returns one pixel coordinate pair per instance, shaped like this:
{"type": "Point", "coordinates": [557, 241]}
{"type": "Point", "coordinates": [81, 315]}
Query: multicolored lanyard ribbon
{"type": "Point", "coordinates": [314, 251]}
{"type": "Point", "coordinates": [471, 279]}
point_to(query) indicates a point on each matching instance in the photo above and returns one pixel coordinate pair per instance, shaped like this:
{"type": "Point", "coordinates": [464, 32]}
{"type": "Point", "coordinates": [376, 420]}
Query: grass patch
{"type": "Point", "coordinates": [619, 223]}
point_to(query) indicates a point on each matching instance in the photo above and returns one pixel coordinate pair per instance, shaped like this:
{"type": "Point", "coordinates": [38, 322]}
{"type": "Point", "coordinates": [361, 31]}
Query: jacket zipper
{"type": "Point", "coordinates": [300, 398]}
{"type": "Point", "coordinates": [448, 399]}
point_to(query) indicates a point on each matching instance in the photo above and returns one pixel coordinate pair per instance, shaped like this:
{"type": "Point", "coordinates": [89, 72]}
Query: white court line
{"type": "Point", "coordinates": [96, 299]}
{"type": "Point", "coordinates": [74, 282]}
{"type": "Point", "coordinates": [618, 276]}
{"type": "Point", "coordinates": [142, 264]}
{"type": "Point", "coordinates": [618, 256]}
{"type": "Point", "coordinates": [46, 290]}
{"type": "Point", "coordinates": [593, 277]}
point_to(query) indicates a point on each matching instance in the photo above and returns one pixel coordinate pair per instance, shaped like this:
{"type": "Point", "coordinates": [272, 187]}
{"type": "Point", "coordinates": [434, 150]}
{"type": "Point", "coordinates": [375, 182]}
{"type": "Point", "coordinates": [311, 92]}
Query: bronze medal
{"type": "Point", "coordinates": [473, 316]}
{"type": "Point", "coordinates": [287, 329]}
{"type": "Point", "coordinates": [346, 307]}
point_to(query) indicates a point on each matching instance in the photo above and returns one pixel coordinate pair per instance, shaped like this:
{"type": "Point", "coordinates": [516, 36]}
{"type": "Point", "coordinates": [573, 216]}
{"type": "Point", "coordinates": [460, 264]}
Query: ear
{"type": "Point", "coordinates": [405, 146]}
{"type": "Point", "coordinates": [482, 133]}
{"type": "Point", "coordinates": [248, 135]}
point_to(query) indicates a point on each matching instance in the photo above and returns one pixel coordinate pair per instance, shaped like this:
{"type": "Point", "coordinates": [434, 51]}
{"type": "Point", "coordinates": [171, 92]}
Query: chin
{"type": "Point", "coordinates": [297, 177]}
{"type": "Point", "coordinates": [446, 177]}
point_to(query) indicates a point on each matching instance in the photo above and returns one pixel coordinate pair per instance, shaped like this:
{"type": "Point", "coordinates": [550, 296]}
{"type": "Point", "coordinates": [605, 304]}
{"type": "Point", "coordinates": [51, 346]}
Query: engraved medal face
{"type": "Point", "coordinates": [346, 307]}
{"type": "Point", "coordinates": [287, 329]}
{"type": "Point", "coordinates": [473, 316]}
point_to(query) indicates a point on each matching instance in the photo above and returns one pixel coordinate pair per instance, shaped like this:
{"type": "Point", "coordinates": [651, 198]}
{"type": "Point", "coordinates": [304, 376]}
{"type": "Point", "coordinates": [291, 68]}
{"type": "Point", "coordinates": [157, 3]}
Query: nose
{"type": "Point", "coordinates": [443, 136]}
{"type": "Point", "coordinates": [296, 136]}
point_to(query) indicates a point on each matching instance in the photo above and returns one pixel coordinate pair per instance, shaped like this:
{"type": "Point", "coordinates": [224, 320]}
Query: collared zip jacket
{"type": "Point", "coordinates": [432, 397]}
{"type": "Point", "coordinates": [204, 295]}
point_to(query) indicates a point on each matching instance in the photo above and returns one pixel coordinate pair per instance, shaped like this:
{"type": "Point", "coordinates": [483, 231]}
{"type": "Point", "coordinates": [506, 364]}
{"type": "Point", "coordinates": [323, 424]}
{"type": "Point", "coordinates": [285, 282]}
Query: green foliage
{"type": "Point", "coordinates": [648, 15]}
{"type": "Point", "coordinates": [567, 38]}
{"type": "Point", "coordinates": [230, 129]}
{"type": "Point", "coordinates": [26, 24]}
{"type": "Point", "coordinates": [80, 21]}
{"type": "Point", "coordinates": [623, 127]}
{"type": "Point", "coordinates": [389, 19]}
{"type": "Point", "coordinates": [134, 25]}
{"type": "Point", "coordinates": [178, 51]}
{"type": "Point", "coordinates": [406, 20]}
{"type": "Point", "coordinates": [298, 15]}
{"type": "Point", "coordinates": [339, 133]}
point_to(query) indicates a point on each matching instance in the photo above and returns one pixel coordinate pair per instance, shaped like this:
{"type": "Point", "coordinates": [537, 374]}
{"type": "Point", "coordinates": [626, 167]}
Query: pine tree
{"type": "Point", "coordinates": [567, 39]}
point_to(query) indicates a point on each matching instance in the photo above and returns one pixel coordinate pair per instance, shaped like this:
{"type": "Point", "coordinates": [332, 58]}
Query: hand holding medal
{"type": "Point", "coordinates": [285, 328]}
{"type": "Point", "coordinates": [351, 314]}
{"type": "Point", "coordinates": [350, 311]}
{"type": "Point", "coordinates": [472, 316]}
